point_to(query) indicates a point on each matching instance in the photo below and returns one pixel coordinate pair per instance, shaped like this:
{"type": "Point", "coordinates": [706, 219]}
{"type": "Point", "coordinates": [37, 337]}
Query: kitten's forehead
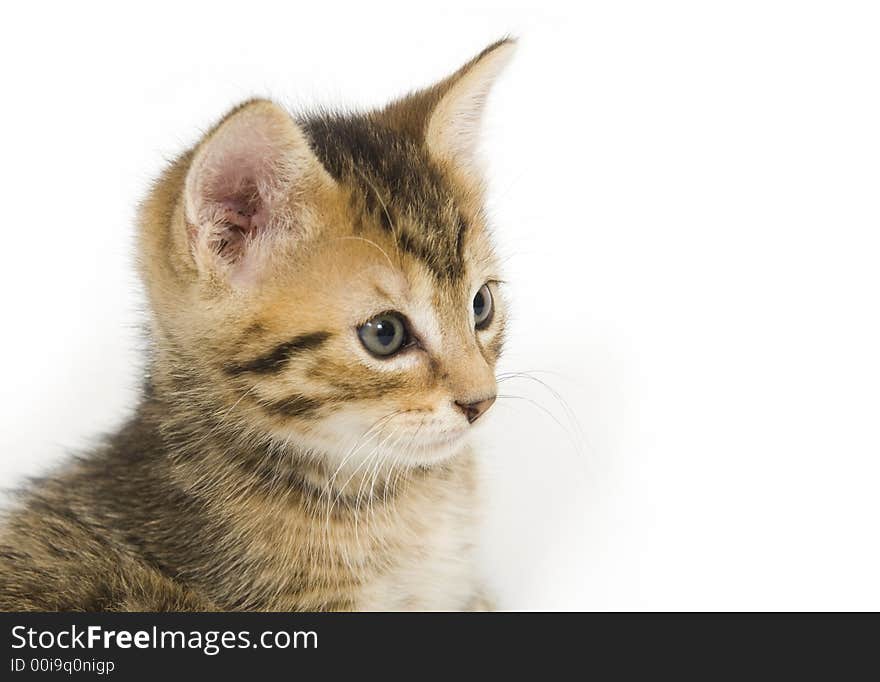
{"type": "Point", "coordinates": [398, 187]}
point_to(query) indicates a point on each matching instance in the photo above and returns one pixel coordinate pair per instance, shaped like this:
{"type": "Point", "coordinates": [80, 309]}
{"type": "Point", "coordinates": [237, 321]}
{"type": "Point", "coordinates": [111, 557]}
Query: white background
{"type": "Point", "coordinates": [688, 197]}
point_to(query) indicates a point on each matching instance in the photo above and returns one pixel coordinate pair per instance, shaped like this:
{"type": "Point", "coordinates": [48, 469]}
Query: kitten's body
{"type": "Point", "coordinates": [273, 463]}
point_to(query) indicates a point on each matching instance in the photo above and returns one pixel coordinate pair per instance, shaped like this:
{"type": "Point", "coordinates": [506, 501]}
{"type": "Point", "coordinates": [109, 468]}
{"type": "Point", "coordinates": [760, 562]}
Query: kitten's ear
{"type": "Point", "coordinates": [248, 187]}
{"type": "Point", "coordinates": [453, 125]}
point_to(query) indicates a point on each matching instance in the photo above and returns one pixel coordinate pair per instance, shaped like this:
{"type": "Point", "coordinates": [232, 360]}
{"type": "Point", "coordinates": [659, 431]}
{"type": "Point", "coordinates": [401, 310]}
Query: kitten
{"type": "Point", "coordinates": [325, 324]}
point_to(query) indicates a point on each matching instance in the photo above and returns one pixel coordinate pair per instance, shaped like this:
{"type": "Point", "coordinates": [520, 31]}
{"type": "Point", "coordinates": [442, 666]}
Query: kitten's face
{"type": "Point", "coordinates": [389, 361]}
{"type": "Point", "coordinates": [336, 284]}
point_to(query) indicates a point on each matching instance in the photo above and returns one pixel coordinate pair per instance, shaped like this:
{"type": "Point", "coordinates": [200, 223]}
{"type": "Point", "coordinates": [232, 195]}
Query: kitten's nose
{"type": "Point", "coordinates": [474, 411]}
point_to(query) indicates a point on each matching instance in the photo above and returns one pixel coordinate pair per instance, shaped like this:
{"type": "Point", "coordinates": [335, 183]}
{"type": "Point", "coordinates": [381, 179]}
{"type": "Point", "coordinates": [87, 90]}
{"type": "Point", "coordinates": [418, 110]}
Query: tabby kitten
{"type": "Point", "coordinates": [325, 325]}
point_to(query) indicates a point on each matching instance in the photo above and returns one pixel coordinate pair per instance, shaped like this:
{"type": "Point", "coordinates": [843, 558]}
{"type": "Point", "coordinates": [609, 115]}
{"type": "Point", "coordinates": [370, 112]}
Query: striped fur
{"type": "Point", "coordinates": [273, 463]}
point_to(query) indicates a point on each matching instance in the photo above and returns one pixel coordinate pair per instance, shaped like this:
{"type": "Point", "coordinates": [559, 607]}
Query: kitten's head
{"type": "Point", "coordinates": [328, 281]}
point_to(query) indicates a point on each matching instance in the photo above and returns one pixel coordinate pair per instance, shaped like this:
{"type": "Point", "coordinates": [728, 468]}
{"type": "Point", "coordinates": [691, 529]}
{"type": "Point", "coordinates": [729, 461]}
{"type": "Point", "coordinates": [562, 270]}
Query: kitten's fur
{"type": "Point", "coordinates": [273, 463]}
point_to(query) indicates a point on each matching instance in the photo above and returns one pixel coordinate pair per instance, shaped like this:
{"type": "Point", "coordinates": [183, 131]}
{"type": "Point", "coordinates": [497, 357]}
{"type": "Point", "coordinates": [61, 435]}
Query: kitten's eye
{"type": "Point", "coordinates": [384, 335]}
{"type": "Point", "coordinates": [483, 307]}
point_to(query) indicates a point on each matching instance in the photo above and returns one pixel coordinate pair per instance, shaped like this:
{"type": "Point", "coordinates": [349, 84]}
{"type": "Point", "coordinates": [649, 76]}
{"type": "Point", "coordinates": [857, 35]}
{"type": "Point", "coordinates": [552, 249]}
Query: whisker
{"type": "Point", "coordinates": [367, 241]}
{"type": "Point", "coordinates": [377, 453]}
{"type": "Point", "coordinates": [570, 413]}
{"type": "Point", "coordinates": [550, 414]}
{"type": "Point", "coordinates": [359, 443]}
{"type": "Point", "coordinates": [383, 204]}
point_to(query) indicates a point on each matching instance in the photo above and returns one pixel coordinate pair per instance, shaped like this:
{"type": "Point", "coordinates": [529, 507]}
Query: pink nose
{"type": "Point", "coordinates": [474, 411]}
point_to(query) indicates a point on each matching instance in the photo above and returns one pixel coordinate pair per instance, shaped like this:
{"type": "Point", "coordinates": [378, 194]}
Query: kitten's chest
{"type": "Point", "coordinates": [433, 572]}
{"type": "Point", "coordinates": [413, 552]}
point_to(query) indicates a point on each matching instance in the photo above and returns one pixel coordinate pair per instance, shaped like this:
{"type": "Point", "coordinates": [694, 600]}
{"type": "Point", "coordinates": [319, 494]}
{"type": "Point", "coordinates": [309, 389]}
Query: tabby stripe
{"type": "Point", "coordinates": [294, 406]}
{"type": "Point", "coordinates": [277, 358]}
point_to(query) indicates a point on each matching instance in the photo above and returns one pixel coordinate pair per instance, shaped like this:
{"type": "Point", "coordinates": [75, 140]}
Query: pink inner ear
{"type": "Point", "coordinates": [238, 206]}
{"type": "Point", "coordinates": [238, 187]}
{"type": "Point", "coordinates": [245, 215]}
{"type": "Point", "coordinates": [236, 183]}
